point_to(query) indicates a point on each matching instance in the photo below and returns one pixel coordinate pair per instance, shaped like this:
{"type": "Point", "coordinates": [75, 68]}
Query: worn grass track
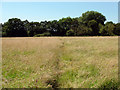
{"type": "Point", "coordinates": [29, 62]}
{"type": "Point", "coordinates": [60, 62]}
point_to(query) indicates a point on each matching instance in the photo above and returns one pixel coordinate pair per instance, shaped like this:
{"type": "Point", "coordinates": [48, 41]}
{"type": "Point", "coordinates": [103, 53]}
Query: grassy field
{"type": "Point", "coordinates": [60, 62]}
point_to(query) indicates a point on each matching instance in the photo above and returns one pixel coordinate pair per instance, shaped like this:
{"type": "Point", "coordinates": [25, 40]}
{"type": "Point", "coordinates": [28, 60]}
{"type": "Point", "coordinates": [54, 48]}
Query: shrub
{"type": "Point", "coordinates": [38, 35]}
{"type": "Point", "coordinates": [70, 32]}
{"type": "Point", "coordinates": [43, 34]}
{"type": "Point", "coordinates": [47, 34]}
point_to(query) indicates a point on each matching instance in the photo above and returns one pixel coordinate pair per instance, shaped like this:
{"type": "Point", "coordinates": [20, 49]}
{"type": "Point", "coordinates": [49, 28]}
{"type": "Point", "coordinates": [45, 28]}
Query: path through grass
{"type": "Point", "coordinates": [62, 62]}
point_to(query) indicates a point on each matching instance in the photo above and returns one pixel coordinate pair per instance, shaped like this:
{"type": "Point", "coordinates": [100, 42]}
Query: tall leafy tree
{"type": "Point", "coordinates": [90, 23]}
{"type": "Point", "coordinates": [35, 28]}
{"type": "Point", "coordinates": [74, 25]}
{"type": "Point", "coordinates": [70, 33]}
{"type": "Point", "coordinates": [53, 27]}
{"type": "Point", "coordinates": [117, 29]}
{"type": "Point", "coordinates": [108, 29]}
{"type": "Point", "coordinates": [93, 19]}
{"type": "Point", "coordinates": [14, 28]}
{"type": "Point", "coordinates": [0, 29]}
{"type": "Point", "coordinates": [64, 25]}
{"type": "Point", "coordinates": [83, 30]}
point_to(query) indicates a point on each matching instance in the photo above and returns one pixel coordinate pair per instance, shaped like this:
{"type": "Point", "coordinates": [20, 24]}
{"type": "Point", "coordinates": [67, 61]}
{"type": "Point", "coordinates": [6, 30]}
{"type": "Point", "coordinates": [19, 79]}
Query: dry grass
{"type": "Point", "coordinates": [77, 62]}
{"type": "Point", "coordinates": [88, 62]}
{"type": "Point", "coordinates": [28, 60]}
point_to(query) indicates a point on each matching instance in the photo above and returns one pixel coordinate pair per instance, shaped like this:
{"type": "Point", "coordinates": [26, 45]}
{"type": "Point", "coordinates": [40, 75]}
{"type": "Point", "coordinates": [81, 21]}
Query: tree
{"type": "Point", "coordinates": [34, 28]}
{"type": "Point", "coordinates": [75, 25]}
{"type": "Point", "coordinates": [108, 29]}
{"type": "Point", "coordinates": [117, 29]}
{"type": "Point", "coordinates": [52, 27]}
{"type": "Point", "coordinates": [64, 25]}
{"type": "Point", "coordinates": [90, 23]}
{"type": "Point", "coordinates": [102, 30]}
{"type": "Point", "coordinates": [0, 29]}
{"type": "Point", "coordinates": [93, 19]}
{"type": "Point", "coordinates": [83, 30]}
{"type": "Point", "coordinates": [43, 34]}
{"type": "Point", "coordinates": [14, 28]}
{"type": "Point", "coordinates": [70, 32]}
{"type": "Point", "coordinates": [4, 30]}
{"type": "Point", "coordinates": [93, 15]}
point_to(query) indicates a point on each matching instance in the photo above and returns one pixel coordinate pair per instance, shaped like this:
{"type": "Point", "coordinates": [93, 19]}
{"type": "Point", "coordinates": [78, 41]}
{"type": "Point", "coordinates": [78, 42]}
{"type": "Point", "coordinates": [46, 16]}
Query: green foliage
{"type": "Point", "coordinates": [39, 35]}
{"type": "Point", "coordinates": [83, 30]}
{"type": "Point", "coordinates": [75, 25]}
{"type": "Point", "coordinates": [111, 84]}
{"type": "Point", "coordinates": [14, 27]}
{"type": "Point", "coordinates": [90, 23]}
{"type": "Point", "coordinates": [93, 15]}
{"type": "Point", "coordinates": [92, 19]}
{"type": "Point", "coordinates": [64, 25]}
{"type": "Point", "coordinates": [43, 34]}
{"type": "Point", "coordinates": [117, 29]}
{"type": "Point", "coordinates": [108, 29]}
{"type": "Point", "coordinates": [70, 32]}
{"type": "Point", "coordinates": [102, 30]}
{"type": "Point", "coordinates": [4, 34]}
{"type": "Point", "coordinates": [47, 34]}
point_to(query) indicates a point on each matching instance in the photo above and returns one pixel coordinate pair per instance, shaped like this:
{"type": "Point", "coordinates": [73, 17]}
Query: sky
{"type": "Point", "coordinates": [41, 11]}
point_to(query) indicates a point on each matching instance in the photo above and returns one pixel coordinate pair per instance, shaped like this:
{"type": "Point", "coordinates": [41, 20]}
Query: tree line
{"type": "Point", "coordinates": [91, 23]}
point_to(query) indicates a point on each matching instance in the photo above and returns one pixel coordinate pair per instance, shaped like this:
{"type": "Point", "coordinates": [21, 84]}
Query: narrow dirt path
{"type": "Point", "coordinates": [52, 80]}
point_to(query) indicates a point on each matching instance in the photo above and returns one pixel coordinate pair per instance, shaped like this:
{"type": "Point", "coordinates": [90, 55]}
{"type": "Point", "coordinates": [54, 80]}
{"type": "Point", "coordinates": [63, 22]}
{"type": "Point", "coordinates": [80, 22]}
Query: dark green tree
{"type": "Point", "coordinates": [70, 33]}
{"type": "Point", "coordinates": [64, 25]}
{"type": "Point", "coordinates": [75, 25]}
{"type": "Point", "coordinates": [83, 30]}
{"type": "Point", "coordinates": [117, 29]}
{"type": "Point", "coordinates": [108, 29]}
{"type": "Point", "coordinates": [14, 28]}
{"type": "Point", "coordinates": [90, 23]}
{"type": "Point", "coordinates": [93, 19]}
{"type": "Point", "coordinates": [34, 28]}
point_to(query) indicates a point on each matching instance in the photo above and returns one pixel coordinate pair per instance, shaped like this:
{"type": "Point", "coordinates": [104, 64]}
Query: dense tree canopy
{"type": "Point", "coordinates": [14, 28]}
{"type": "Point", "coordinates": [117, 29]}
{"type": "Point", "coordinates": [91, 23]}
{"type": "Point", "coordinates": [93, 15]}
{"type": "Point", "coordinates": [92, 19]}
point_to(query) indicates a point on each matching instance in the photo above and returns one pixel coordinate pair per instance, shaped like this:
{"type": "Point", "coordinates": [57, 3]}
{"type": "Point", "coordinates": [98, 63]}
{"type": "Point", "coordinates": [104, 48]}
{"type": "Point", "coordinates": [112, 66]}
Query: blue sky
{"type": "Point", "coordinates": [41, 11]}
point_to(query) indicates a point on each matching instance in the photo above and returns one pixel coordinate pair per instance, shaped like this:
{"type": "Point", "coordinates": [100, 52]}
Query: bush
{"type": "Point", "coordinates": [47, 34]}
{"type": "Point", "coordinates": [83, 30]}
{"type": "Point", "coordinates": [43, 34]}
{"type": "Point", "coordinates": [38, 35]}
{"type": "Point", "coordinates": [70, 32]}
{"type": "Point", "coordinates": [4, 34]}
{"type": "Point", "coordinates": [117, 29]}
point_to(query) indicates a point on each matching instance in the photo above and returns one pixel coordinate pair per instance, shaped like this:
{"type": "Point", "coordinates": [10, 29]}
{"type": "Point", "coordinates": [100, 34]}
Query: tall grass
{"type": "Point", "coordinates": [74, 62]}
{"type": "Point", "coordinates": [28, 62]}
{"type": "Point", "coordinates": [88, 62]}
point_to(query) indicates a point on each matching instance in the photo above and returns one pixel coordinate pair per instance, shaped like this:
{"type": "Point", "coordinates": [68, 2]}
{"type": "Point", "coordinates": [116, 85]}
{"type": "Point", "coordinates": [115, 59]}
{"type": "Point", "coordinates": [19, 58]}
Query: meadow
{"type": "Point", "coordinates": [60, 62]}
